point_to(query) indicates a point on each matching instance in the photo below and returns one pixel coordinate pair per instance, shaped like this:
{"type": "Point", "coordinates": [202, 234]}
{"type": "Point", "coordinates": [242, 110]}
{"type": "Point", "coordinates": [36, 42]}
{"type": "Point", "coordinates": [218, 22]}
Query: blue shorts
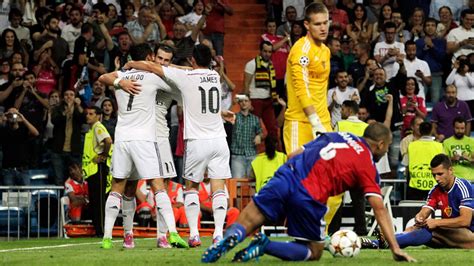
{"type": "Point", "coordinates": [285, 197]}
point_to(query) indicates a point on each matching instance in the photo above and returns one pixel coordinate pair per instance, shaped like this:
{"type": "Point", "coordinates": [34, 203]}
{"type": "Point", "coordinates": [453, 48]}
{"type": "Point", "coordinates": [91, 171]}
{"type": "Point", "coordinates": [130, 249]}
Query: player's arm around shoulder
{"type": "Point", "coordinates": [146, 66]}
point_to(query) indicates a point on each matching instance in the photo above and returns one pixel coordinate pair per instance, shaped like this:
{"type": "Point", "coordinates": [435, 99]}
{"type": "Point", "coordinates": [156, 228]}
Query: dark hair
{"type": "Point", "coordinates": [468, 11]}
{"type": "Point", "coordinates": [314, 8]}
{"type": "Point", "coordinates": [364, 46]}
{"type": "Point", "coordinates": [102, 7]}
{"type": "Point", "coordinates": [459, 119]}
{"type": "Point", "coordinates": [164, 47]}
{"type": "Point", "coordinates": [140, 51]}
{"type": "Point", "coordinates": [76, 8]}
{"type": "Point", "coordinates": [413, 121]}
{"type": "Point", "coordinates": [48, 19]}
{"type": "Point", "coordinates": [114, 107]}
{"type": "Point", "coordinates": [269, 20]}
{"type": "Point", "coordinates": [425, 128]}
{"type": "Point", "coordinates": [409, 42]}
{"type": "Point", "coordinates": [389, 25]}
{"type": "Point", "coordinates": [40, 12]}
{"type": "Point", "coordinates": [195, 2]}
{"type": "Point", "coordinates": [381, 19]}
{"type": "Point", "coordinates": [413, 13]}
{"type": "Point", "coordinates": [441, 159]}
{"type": "Point", "coordinates": [403, 91]}
{"type": "Point", "coordinates": [462, 64]}
{"type": "Point", "coordinates": [446, 7]}
{"type": "Point", "coordinates": [16, 43]}
{"type": "Point", "coordinates": [29, 72]}
{"type": "Point", "coordinates": [430, 20]}
{"type": "Point", "coordinates": [353, 16]}
{"type": "Point", "coordinates": [86, 27]}
{"type": "Point", "coordinates": [97, 109]}
{"type": "Point", "coordinates": [14, 12]}
{"type": "Point", "coordinates": [270, 146]}
{"type": "Point", "coordinates": [202, 55]}
{"type": "Point", "coordinates": [352, 105]}
{"type": "Point", "coordinates": [262, 43]}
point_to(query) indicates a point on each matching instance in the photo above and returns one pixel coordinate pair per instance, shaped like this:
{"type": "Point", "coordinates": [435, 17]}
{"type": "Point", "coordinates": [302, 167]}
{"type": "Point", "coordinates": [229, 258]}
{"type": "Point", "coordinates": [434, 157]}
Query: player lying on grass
{"type": "Point", "coordinates": [455, 198]}
{"type": "Point", "coordinates": [327, 166]}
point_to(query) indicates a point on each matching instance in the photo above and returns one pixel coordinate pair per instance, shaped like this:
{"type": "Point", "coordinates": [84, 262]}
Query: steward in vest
{"type": "Point", "coordinates": [95, 165]}
{"type": "Point", "coordinates": [420, 154]}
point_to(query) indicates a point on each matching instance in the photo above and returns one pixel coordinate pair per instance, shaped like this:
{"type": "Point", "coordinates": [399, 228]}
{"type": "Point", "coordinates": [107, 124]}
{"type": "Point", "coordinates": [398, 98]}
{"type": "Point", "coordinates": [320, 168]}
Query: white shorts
{"type": "Point", "coordinates": [136, 159]}
{"type": "Point", "coordinates": [166, 158]}
{"type": "Point", "coordinates": [206, 154]}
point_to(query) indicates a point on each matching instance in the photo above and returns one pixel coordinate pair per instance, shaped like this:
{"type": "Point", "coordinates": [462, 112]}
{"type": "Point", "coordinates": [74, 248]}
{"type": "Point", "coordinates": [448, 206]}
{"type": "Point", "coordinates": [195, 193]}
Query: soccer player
{"type": "Point", "coordinates": [307, 81]}
{"type": "Point", "coordinates": [206, 146]}
{"type": "Point", "coordinates": [136, 150]}
{"type": "Point", "coordinates": [325, 167]}
{"type": "Point", "coordinates": [454, 196]}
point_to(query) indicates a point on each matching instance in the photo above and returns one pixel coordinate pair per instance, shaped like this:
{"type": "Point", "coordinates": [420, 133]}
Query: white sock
{"type": "Point", "coordinates": [219, 208]}
{"type": "Point", "coordinates": [161, 228]}
{"type": "Point", "coordinates": [163, 206]}
{"type": "Point", "coordinates": [128, 211]}
{"type": "Point", "coordinates": [112, 208]}
{"type": "Point", "coordinates": [192, 208]}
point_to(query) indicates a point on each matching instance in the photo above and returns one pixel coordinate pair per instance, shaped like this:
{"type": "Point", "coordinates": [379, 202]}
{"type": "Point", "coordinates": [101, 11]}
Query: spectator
{"type": "Point", "coordinates": [384, 16]}
{"type": "Point", "coordinates": [445, 111]}
{"type": "Point", "coordinates": [342, 92]}
{"type": "Point", "coordinates": [23, 33]}
{"type": "Point", "coordinates": [147, 28]}
{"type": "Point", "coordinates": [10, 44]}
{"type": "Point", "coordinates": [446, 22]}
{"type": "Point", "coordinates": [192, 19]}
{"type": "Point", "coordinates": [4, 71]}
{"type": "Point", "coordinates": [374, 98]}
{"type": "Point", "coordinates": [432, 49]}
{"type": "Point", "coordinates": [184, 45]}
{"type": "Point", "coordinates": [359, 28]}
{"type": "Point", "coordinates": [112, 15]}
{"type": "Point", "coordinates": [95, 164]}
{"type": "Point", "coordinates": [461, 39]}
{"type": "Point", "coordinates": [53, 101]}
{"type": "Point", "coordinates": [63, 12]}
{"type": "Point", "coordinates": [357, 68]}
{"type": "Point", "coordinates": [51, 39]}
{"type": "Point", "coordinates": [460, 149]}
{"type": "Point", "coordinates": [76, 189]}
{"type": "Point", "coordinates": [281, 49]}
{"type": "Point", "coordinates": [337, 63]}
{"type": "Point", "coordinates": [15, 130]}
{"type": "Point", "coordinates": [387, 51]}
{"type": "Point", "coordinates": [299, 5]}
{"type": "Point", "coordinates": [67, 119]}
{"type": "Point", "coordinates": [412, 105]}
{"type": "Point", "coordinates": [414, 135]}
{"type": "Point", "coordinates": [374, 8]}
{"type": "Point", "coordinates": [266, 164]}
{"type": "Point", "coordinates": [437, 5]}
{"type": "Point", "coordinates": [368, 79]}
{"type": "Point", "coordinates": [346, 53]}
{"type": "Point", "coordinates": [420, 154]}
{"type": "Point", "coordinates": [109, 116]}
{"type": "Point", "coordinates": [246, 135]}
{"type": "Point", "coordinates": [119, 54]}
{"type": "Point", "coordinates": [290, 17]}
{"type": "Point", "coordinates": [416, 22]}
{"type": "Point", "coordinates": [363, 113]}
{"type": "Point", "coordinates": [214, 30]}
{"type": "Point", "coordinates": [463, 78]}
{"type": "Point", "coordinates": [339, 18]}
{"type": "Point", "coordinates": [46, 72]}
{"type": "Point", "coordinates": [38, 30]}
{"type": "Point", "coordinates": [72, 30]}
{"type": "Point", "coordinates": [10, 90]}
{"type": "Point", "coordinates": [98, 94]}
{"type": "Point", "coordinates": [128, 13]}
{"type": "Point", "coordinates": [417, 68]}
{"type": "Point", "coordinates": [167, 15]}
{"type": "Point", "coordinates": [259, 81]}
{"type": "Point", "coordinates": [227, 85]}
{"type": "Point", "coordinates": [401, 35]}
{"type": "Point", "coordinates": [297, 31]}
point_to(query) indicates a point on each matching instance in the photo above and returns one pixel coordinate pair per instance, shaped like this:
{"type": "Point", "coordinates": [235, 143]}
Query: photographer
{"type": "Point", "coordinates": [15, 131]}
{"type": "Point", "coordinates": [10, 90]}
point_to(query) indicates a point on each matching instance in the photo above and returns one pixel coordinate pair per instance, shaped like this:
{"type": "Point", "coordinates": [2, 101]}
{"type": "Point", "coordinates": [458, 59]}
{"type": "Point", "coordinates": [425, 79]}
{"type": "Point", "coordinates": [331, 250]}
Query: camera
{"type": "Point", "coordinates": [241, 97]}
{"type": "Point", "coordinates": [12, 117]}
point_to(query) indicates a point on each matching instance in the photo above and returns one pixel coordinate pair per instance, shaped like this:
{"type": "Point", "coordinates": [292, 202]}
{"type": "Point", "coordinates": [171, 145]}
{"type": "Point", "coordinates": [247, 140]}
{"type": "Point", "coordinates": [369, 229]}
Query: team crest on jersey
{"type": "Point", "coordinates": [304, 61]}
{"type": "Point", "coordinates": [448, 211]}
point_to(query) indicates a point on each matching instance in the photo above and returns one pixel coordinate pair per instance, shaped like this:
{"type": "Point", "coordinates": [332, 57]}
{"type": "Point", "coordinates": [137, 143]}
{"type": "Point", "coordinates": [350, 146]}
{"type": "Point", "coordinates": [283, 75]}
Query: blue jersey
{"type": "Point", "coordinates": [450, 202]}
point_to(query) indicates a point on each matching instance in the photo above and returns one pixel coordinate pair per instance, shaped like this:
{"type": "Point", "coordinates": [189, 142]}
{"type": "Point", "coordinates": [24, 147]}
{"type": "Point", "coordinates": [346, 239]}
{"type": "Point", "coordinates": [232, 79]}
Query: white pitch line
{"type": "Point", "coordinates": [56, 246]}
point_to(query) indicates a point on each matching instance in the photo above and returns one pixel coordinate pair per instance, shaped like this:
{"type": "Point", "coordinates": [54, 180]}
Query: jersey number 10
{"type": "Point", "coordinates": [212, 99]}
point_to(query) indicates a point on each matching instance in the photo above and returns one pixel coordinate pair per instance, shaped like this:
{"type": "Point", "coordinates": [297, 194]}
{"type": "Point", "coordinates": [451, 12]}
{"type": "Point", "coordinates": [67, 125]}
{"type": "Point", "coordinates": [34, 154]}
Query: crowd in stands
{"type": "Point", "coordinates": [408, 64]}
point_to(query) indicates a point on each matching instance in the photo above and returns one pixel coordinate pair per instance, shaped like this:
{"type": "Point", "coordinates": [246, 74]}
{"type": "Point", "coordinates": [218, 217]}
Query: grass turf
{"type": "Point", "coordinates": [86, 251]}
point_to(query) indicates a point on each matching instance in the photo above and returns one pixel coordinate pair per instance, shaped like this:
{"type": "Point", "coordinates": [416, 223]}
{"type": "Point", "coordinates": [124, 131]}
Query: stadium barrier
{"type": "Point", "coordinates": [30, 211]}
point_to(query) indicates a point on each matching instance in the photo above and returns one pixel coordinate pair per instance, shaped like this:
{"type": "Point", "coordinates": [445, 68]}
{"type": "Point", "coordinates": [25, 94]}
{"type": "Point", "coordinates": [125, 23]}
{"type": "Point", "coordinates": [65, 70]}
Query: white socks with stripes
{"type": "Point", "coordinates": [192, 209]}
{"type": "Point", "coordinates": [219, 208]}
{"type": "Point", "coordinates": [112, 208]}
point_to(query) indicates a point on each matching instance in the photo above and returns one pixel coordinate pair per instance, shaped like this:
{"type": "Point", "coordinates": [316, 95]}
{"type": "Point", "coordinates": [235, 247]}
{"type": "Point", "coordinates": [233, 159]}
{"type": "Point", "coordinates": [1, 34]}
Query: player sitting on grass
{"type": "Point", "coordinates": [327, 166]}
{"type": "Point", "coordinates": [455, 198]}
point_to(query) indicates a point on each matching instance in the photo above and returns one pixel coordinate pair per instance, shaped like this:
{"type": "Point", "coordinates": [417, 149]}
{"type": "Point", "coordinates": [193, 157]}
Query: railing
{"type": "Point", "coordinates": [30, 211]}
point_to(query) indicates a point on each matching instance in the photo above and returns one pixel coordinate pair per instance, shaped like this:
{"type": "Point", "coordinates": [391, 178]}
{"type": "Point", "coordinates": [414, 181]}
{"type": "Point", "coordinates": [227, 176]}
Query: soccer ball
{"type": "Point", "coordinates": [344, 243]}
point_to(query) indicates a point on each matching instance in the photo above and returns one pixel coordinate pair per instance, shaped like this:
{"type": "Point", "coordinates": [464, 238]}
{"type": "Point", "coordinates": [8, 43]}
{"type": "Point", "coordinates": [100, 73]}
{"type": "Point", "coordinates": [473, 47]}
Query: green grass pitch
{"type": "Point", "coordinates": [86, 251]}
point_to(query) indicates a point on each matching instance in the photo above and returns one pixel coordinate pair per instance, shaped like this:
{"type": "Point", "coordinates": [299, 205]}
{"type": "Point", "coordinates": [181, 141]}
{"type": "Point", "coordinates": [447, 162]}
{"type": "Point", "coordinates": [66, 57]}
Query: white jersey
{"type": "Point", "coordinates": [136, 113]}
{"type": "Point", "coordinates": [163, 103]}
{"type": "Point", "coordinates": [201, 91]}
